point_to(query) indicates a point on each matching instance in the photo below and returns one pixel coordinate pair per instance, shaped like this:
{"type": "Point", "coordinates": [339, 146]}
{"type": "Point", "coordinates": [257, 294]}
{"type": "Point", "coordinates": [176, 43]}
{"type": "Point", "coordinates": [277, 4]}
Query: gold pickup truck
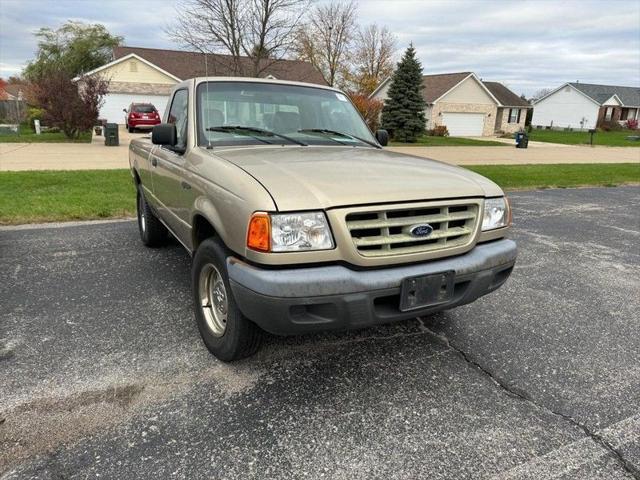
{"type": "Point", "coordinates": [298, 220]}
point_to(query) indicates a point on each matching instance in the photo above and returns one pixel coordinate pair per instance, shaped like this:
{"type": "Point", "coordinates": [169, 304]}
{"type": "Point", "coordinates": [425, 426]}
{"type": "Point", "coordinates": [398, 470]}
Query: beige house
{"type": "Point", "coordinates": [147, 75]}
{"type": "Point", "coordinates": [468, 106]}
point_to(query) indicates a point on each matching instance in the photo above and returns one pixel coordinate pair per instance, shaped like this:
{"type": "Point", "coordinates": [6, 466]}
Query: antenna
{"type": "Point", "coordinates": [206, 74]}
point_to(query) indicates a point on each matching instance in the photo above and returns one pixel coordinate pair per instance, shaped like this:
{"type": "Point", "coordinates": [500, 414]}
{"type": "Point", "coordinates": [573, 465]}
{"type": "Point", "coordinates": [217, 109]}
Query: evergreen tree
{"type": "Point", "coordinates": [403, 112]}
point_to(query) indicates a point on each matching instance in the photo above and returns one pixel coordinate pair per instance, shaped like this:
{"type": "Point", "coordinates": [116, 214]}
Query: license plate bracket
{"type": "Point", "coordinates": [426, 290]}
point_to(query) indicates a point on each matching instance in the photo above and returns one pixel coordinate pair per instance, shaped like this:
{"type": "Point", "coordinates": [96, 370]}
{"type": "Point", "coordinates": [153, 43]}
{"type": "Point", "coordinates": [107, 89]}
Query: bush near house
{"type": "Point", "coordinates": [632, 124]}
{"type": "Point", "coordinates": [439, 131]}
{"type": "Point", "coordinates": [71, 107]}
{"type": "Point", "coordinates": [369, 108]}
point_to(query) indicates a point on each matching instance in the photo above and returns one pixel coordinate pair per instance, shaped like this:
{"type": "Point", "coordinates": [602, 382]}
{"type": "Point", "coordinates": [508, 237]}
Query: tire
{"type": "Point", "coordinates": [152, 232]}
{"type": "Point", "coordinates": [131, 129]}
{"type": "Point", "coordinates": [226, 332]}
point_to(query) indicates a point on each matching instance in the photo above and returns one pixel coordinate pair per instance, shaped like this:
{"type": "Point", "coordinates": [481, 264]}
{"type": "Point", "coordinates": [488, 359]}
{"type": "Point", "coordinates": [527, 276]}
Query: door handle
{"type": "Point", "coordinates": [154, 161]}
{"type": "Point", "coordinates": [185, 186]}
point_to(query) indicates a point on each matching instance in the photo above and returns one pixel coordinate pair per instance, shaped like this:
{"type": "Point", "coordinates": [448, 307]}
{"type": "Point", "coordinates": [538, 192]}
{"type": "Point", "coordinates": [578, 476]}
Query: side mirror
{"type": "Point", "coordinates": [382, 136]}
{"type": "Point", "coordinates": [164, 134]}
{"type": "Point", "coordinates": [124, 110]}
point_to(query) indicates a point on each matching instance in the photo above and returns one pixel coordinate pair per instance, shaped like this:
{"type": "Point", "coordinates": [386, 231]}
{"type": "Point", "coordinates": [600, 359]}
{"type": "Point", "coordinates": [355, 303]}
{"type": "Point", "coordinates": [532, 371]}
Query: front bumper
{"type": "Point", "coordinates": [289, 301]}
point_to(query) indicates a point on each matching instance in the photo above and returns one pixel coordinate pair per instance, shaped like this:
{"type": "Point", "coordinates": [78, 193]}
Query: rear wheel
{"type": "Point", "coordinates": [226, 332]}
{"type": "Point", "coordinates": [152, 232]}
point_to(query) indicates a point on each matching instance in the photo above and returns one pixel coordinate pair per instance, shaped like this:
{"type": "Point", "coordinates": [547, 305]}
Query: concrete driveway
{"type": "Point", "coordinates": [66, 156]}
{"type": "Point", "coordinates": [103, 372]}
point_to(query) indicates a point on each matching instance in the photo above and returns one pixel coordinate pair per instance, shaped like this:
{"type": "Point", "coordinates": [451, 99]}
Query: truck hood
{"type": "Point", "coordinates": [306, 178]}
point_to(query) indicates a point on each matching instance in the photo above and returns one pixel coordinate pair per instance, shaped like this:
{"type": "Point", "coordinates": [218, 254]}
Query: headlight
{"type": "Point", "coordinates": [496, 213]}
{"type": "Point", "coordinates": [289, 232]}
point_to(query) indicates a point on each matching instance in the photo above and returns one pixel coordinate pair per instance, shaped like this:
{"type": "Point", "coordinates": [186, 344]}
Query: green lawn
{"type": "Point", "coordinates": [49, 196]}
{"type": "Point", "coordinates": [611, 139]}
{"type": "Point", "coordinates": [26, 135]}
{"type": "Point", "coordinates": [427, 141]}
{"type": "Point", "coordinates": [524, 177]}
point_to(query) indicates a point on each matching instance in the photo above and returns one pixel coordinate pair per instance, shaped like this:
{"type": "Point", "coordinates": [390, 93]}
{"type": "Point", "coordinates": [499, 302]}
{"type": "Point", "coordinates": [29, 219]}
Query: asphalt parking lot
{"type": "Point", "coordinates": [102, 371]}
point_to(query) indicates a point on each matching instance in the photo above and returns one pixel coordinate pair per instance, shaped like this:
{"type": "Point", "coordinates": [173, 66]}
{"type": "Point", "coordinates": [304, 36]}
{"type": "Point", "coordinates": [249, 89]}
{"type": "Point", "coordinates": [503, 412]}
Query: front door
{"type": "Point", "coordinates": [168, 169]}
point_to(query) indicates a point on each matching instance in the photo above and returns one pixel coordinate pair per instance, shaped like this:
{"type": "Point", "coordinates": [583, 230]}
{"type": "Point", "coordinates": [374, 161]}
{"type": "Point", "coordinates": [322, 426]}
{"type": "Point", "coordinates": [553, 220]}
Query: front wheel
{"type": "Point", "coordinates": [152, 232]}
{"type": "Point", "coordinates": [226, 332]}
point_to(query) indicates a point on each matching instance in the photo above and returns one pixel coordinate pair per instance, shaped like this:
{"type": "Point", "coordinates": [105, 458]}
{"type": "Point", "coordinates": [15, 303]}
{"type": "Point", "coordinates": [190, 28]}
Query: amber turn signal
{"type": "Point", "coordinates": [259, 233]}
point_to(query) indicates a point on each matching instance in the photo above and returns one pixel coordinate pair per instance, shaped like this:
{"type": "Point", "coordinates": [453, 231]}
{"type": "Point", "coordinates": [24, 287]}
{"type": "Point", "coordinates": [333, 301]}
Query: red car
{"type": "Point", "coordinates": [141, 115]}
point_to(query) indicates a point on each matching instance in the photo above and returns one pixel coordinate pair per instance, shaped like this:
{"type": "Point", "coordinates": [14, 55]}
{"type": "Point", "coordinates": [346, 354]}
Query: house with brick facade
{"type": "Point", "coordinates": [147, 75]}
{"type": "Point", "coordinates": [586, 105]}
{"type": "Point", "coordinates": [467, 105]}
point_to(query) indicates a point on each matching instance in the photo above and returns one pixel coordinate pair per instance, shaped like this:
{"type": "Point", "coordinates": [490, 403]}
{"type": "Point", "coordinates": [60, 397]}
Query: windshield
{"type": "Point", "coordinates": [251, 113]}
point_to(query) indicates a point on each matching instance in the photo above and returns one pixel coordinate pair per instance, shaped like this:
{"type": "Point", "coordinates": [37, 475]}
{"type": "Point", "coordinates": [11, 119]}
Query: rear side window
{"type": "Point", "coordinates": [144, 108]}
{"type": "Point", "coordinates": [178, 116]}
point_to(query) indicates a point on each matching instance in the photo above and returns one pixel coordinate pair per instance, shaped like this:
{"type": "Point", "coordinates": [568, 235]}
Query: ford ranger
{"type": "Point", "coordinates": [299, 221]}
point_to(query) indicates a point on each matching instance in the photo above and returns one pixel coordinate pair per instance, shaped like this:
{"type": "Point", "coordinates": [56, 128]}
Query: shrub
{"type": "Point", "coordinates": [632, 124]}
{"type": "Point", "coordinates": [439, 131]}
{"type": "Point", "coordinates": [611, 126]}
{"type": "Point", "coordinates": [71, 107]}
{"type": "Point", "coordinates": [34, 113]}
{"type": "Point", "coordinates": [369, 108]}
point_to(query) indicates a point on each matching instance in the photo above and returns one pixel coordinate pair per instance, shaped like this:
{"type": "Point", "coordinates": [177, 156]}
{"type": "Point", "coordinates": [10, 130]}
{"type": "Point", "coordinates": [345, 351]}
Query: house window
{"type": "Point", "coordinates": [133, 66]}
{"type": "Point", "coordinates": [514, 115]}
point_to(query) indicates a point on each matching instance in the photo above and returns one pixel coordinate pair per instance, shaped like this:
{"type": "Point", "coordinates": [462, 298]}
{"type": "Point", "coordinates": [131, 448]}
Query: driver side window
{"type": "Point", "coordinates": [178, 116]}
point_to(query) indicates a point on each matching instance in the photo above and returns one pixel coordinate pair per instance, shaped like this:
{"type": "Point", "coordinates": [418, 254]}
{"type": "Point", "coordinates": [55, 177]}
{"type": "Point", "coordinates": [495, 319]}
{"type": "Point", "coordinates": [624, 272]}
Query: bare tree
{"type": "Point", "coordinates": [541, 93]}
{"type": "Point", "coordinates": [373, 59]}
{"type": "Point", "coordinates": [261, 30]}
{"type": "Point", "coordinates": [327, 38]}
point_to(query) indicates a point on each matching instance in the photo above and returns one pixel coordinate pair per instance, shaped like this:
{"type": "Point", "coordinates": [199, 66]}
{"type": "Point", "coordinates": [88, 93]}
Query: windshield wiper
{"type": "Point", "coordinates": [268, 133]}
{"type": "Point", "coordinates": [341, 134]}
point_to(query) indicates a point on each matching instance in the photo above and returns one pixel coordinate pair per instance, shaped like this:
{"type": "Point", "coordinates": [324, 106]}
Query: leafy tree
{"type": "Point", "coordinates": [72, 107]}
{"type": "Point", "coordinates": [403, 112]}
{"type": "Point", "coordinates": [3, 94]}
{"type": "Point", "coordinates": [73, 48]}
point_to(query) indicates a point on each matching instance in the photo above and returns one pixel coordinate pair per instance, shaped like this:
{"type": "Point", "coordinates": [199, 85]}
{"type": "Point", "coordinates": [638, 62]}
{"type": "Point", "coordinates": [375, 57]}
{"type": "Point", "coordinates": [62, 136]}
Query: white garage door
{"type": "Point", "coordinates": [464, 124]}
{"type": "Point", "coordinates": [115, 102]}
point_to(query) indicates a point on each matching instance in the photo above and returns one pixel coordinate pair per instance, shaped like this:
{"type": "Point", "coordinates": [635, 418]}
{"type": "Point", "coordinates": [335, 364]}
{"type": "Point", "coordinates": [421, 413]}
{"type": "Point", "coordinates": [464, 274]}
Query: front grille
{"type": "Point", "coordinates": [387, 232]}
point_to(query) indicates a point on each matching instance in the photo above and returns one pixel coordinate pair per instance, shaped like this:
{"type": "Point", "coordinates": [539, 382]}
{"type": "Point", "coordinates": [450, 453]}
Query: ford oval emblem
{"type": "Point", "coordinates": [421, 230]}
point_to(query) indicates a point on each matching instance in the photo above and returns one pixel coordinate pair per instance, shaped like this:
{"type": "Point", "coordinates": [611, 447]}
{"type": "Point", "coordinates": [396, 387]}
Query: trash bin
{"type": "Point", "coordinates": [111, 138]}
{"type": "Point", "coordinates": [522, 140]}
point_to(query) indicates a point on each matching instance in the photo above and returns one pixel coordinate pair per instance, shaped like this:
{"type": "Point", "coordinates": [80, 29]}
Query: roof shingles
{"type": "Point", "coordinates": [629, 96]}
{"type": "Point", "coordinates": [505, 96]}
{"type": "Point", "coordinates": [184, 65]}
{"type": "Point", "coordinates": [437, 85]}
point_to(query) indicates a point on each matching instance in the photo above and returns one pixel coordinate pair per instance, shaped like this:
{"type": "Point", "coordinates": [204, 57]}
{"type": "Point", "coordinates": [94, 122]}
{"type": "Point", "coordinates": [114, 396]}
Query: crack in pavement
{"type": "Point", "coordinates": [523, 395]}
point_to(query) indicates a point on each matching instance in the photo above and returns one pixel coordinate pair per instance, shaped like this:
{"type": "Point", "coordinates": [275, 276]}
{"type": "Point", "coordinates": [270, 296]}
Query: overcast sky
{"type": "Point", "coordinates": [527, 45]}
